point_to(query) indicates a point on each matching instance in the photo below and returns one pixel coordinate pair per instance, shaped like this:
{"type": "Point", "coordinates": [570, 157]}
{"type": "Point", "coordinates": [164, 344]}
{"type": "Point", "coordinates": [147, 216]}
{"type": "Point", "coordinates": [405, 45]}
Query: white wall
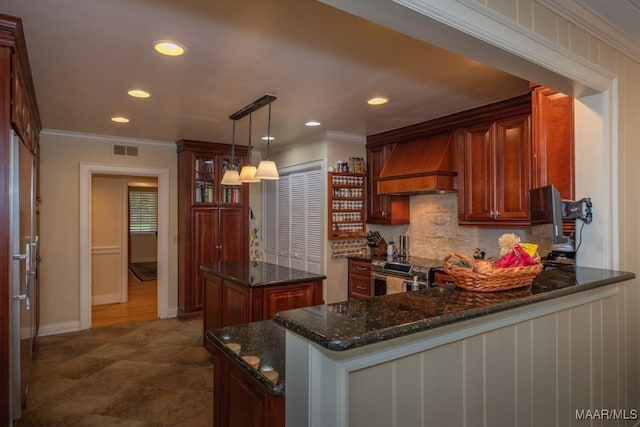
{"type": "Point", "coordinates": [61, 155]}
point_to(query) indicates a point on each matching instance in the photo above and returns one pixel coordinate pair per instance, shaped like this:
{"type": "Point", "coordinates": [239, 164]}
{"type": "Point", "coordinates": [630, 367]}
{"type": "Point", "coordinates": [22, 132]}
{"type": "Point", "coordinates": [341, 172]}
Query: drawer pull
{"type": "Point", "coordinates": [361, 268]}
{"type": "Point", "coordinates": [362, 288]}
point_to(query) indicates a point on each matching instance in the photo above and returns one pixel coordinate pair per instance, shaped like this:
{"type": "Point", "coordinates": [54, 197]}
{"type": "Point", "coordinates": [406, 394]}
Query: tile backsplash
{"type": "Point", "coordinates": [434, 230]}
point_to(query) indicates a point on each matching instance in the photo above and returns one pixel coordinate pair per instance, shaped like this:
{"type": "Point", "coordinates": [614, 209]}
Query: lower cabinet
{"type": "Point", "coordinates": [360, 279]}
{"type": "Point", "coordinates": [241, 401]}
{"type": "Point", "coordinates": [228, 303]}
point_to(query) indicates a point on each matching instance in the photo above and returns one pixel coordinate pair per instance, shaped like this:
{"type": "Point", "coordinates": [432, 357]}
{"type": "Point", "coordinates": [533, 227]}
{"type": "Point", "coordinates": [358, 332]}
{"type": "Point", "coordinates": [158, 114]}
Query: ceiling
{"type": "Point", "coordinates": [320, 62]}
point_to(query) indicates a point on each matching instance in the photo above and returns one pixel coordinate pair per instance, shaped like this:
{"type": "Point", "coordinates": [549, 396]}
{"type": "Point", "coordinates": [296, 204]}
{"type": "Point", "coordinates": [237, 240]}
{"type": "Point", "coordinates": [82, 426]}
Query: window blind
{"type": "Point", "coordinates": [143, 209]}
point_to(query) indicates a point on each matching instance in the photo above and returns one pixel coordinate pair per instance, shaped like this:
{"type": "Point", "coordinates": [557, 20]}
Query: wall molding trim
{"type": "Point", "coordinates": [86, 172]}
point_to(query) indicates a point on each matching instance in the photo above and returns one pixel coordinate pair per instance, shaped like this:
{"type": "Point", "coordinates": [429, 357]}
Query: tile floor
{"type": "Point", "coordinates": [153, 373]}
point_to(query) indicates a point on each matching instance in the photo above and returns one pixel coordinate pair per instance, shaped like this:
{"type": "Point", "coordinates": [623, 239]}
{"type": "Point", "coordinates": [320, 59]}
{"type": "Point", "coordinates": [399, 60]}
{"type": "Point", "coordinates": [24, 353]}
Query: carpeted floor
{"type": "Point", "coordinates": [144, 271]}
{"type": "Point", "coordinates": [154, 373]}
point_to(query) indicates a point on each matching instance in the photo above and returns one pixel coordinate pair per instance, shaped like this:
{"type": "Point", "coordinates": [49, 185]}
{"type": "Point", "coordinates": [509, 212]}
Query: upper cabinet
{"type": "Point", "coordinates": [383, 209]}
{"type": "Point", "coordinates": [491, 155]}
{"type": "Point", "coordinates": [497, 171]}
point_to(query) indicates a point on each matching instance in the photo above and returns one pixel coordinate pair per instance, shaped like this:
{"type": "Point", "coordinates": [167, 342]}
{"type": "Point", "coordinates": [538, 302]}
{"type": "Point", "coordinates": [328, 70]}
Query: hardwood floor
{"type": "Point", "coordinates": [142, 305]}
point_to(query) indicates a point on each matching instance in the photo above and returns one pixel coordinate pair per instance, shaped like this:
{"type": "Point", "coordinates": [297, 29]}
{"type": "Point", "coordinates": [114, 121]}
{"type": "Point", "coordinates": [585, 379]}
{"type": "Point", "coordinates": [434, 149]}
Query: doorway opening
{"type": "Point", "coordinates": [124, 227]}
{"type": "Point", "coordinates": [87, 173]}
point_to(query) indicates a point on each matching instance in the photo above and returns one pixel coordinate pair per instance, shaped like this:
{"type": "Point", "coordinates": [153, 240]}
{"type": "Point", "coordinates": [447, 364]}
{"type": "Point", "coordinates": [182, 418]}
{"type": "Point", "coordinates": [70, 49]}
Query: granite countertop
{"type": "Point", "coordinates": [264, 339]}
{"type": "Point", "coordinates": [258, 273]}
{"type": "Point", "coordinates": [347, 325]}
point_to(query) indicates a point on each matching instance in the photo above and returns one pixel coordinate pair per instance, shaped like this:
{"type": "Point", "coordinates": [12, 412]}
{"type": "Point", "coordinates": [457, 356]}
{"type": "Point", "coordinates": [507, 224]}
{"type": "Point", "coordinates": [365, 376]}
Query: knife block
{"type": "Point", "coordinates": [378, 248]}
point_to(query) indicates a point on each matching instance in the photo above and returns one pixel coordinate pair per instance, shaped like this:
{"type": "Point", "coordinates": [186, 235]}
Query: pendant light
{"type": "Point", "coordinates": [267, 168]}
{"type": "Point", "coordinates": [231, 175]}
{"type": "Point", "coordinates": [248, 172]}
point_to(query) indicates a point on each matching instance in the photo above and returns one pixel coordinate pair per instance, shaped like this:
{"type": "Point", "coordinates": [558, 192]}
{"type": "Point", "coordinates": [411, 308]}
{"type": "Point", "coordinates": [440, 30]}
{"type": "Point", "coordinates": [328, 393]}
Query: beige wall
{"type": "Point", "coordinates": [61, 156]}
{"type": "Point", "coordinates": [107, 247]}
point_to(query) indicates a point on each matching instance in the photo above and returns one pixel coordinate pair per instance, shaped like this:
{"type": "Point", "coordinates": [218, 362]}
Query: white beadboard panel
{"type": "Point", "coordinates": [474, 387]}
{"type": "Point", "coordinates": [534, 373]}
{"type": "Point", "coordinates": [408, 391]}
{"type": "Point", "coordinates": [508, 8]}
{"type": "Point", "coordinates": [523, 386]}
{"type": "Point", "coordinates": [611, 351]}
{"type": "Point", "coordinates": [596, 355]}
{"type": "Point", "coordinates": [579, 40]}
{"type": "Point", "coordinates": [444, 392]}
{"type": "Point", "coordinates": [544, 22]}
{"type": "Point", "coordinates": [500, 380]}
{"type": "Point", "coordinates": [564, 416]}
{"type": "Point", "coordinates": [580, 358]}
{"type": "Point", "coordinates": [373, 394]}
{"type": "Point", "coordinates": [544, 392]}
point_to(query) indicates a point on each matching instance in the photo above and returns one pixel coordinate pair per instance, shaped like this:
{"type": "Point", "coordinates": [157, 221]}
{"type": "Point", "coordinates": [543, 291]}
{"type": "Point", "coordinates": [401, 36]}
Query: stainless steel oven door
{"type": "Point", "coordinates": [378, 283]}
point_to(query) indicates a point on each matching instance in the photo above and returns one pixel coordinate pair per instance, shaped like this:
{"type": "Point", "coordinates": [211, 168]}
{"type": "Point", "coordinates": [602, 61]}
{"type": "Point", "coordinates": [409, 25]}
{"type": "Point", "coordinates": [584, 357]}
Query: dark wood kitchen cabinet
{"type": "Point", "coordinates": [389, 210]}
{"type": "Point", "coordinates": [213, 220]}
{"type": "Point", "coordinates": [553, 141]}
{"type": "Point", "coordinates": [244, 291]}
{"type": "Point", "coordinates": [497, 171]}
{"type": "Point", "coordinates": [528, 144]}
{"type": "Point", "coordinates": [359, 279]}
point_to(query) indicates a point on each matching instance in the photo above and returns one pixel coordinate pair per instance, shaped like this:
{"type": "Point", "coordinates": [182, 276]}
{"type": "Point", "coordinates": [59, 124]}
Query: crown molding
{"type": "Point", "coordinates": [107, 138]}
{"type": "Point", "coordinates": [592, 23]}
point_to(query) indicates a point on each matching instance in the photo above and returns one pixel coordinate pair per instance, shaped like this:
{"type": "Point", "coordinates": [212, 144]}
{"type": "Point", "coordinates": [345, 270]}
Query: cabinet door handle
{"type": "Point", "coordinates": [361, 268]}
{"type": "Point", "coordinates": [362, 288]}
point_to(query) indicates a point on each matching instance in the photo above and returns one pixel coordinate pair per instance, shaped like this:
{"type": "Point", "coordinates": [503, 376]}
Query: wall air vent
{"type": "Point", "coordinates": [125, 150]}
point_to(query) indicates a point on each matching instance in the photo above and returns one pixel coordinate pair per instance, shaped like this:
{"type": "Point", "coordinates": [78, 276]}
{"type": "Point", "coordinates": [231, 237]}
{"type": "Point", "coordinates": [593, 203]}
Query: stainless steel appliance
{"type": "Point", "coordinates": [405, 269]}
{"type": "Point", "coordinates": [23, 270]}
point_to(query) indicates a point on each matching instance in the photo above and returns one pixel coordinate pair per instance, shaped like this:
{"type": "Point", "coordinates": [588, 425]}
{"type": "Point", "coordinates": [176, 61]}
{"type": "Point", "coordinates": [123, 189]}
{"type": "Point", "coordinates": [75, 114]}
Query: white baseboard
{"type": "Point", "coordinates": [172, 312]}
{"type": "Point", "coordinates": [105, 299]}
{"type": "Point", "coordinates": [58, 328]}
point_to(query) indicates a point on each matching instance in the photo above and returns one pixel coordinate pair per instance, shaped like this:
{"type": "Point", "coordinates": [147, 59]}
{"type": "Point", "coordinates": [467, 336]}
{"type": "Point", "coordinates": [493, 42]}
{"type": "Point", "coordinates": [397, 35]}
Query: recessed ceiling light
{"type": "Point", "coordinates": [378, 100]}
{"type": "Point", "coordinates": [312, 123]}
{"type": "Point", "coordinates": [268, 138]}
{"type": "Point", "coordinates": [119, 119]}
{"type": "Point", "coordinates": [139, 93]}
{"type": "Point", "coordinates": [169, 48]}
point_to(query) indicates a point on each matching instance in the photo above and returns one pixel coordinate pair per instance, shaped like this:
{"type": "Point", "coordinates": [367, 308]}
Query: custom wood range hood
{"type": "Point", "coordinates": [424, 165]}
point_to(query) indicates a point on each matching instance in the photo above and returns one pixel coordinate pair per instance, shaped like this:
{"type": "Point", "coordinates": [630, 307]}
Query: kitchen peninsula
{"type": "Point", "coordinates": [442, 355]}
{"type": "Point", "coordinates": [237, 292]}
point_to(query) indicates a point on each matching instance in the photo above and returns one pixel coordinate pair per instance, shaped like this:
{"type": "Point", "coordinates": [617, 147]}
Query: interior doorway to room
{"type": "Point", "coordinates": [87, 171]}
{"type": "Point", "coordinates": [124, 247]}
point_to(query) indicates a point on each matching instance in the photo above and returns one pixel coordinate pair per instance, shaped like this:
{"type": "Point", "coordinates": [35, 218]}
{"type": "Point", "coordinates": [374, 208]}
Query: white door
{"type": "Point", "coordinates": [23, 270]}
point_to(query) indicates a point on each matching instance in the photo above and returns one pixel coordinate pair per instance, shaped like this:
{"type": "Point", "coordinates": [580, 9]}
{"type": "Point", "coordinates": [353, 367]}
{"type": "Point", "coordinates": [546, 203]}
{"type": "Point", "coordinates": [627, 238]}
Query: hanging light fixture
{"type": "Point", "coordinates": [231, 175]}
{"type": "Point", "coordinates": [267, 168]}
{"type": "Point", "coordinates": [248, 172]}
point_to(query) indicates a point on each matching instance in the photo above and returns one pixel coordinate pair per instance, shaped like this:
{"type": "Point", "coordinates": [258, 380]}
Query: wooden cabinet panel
{"type": "Point", "coordinates": [497, 171]}
{"type": "Point", "coordinates": [231, 232]}
{"type": "Point", "coordinates": [287, 298]}
{"type": "Point", "coordinates": [553, 141]}
{"type": "Point", "coordinates": [212, 303]}
{"type": "Point", "coordinates": [240, 400]}
{"type": "Point", "coordinates": [205, 230]}
{"type": "Point", "coordinates": [237, 304]}
{"type": "Point", "coordinates": [213, 220]}
{"type": "Point", "coordinates": [360, 279]}
{"type": "Point", "coordinates": [383, 209]}
{"type": "Point", "coordinates": [227, 303]}
{"type": "Point", "coordinates": [479, 172]}
{"type": "Point", "coordinates": [513, 169]}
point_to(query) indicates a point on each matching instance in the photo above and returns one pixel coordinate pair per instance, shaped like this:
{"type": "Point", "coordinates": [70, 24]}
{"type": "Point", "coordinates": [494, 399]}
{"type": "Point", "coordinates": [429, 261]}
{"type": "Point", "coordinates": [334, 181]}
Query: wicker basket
{"type": "Point", "coordinates": [489, 279]}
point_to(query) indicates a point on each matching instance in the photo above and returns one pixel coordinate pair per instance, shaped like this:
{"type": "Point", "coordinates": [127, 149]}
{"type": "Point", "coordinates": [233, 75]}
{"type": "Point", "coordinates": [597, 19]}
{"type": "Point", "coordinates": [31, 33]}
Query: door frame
{"type": "Point", "coordinates": [86, 172]}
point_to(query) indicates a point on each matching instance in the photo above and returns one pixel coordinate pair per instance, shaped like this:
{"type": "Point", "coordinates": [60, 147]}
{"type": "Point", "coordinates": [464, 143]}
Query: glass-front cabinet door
{"type": "Point", "coordinates": [204, 179]}
{"type": "Point", "coordinates": [230, 194]}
